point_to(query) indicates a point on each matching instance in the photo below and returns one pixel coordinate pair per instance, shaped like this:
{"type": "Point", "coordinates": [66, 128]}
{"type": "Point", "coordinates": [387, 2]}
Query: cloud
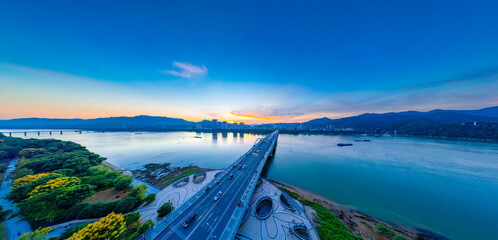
{"type": "Point", "coordinates": [186, 70]}
{"type": "Point", "coordinates": [469, 93]}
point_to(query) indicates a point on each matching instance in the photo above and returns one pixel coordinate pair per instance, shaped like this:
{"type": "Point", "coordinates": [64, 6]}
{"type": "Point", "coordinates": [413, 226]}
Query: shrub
{"type": "Point", "coordinates": [38, 234]}
{"type": "Point", "coordinates": [146, 226]}
{"type": "Point", "coordinates": [150, 198]}
{"type": "Point", "coordinates": [126, 205]}
{"type": "Point", "coordinates": [110, 227]}
{"type": "Point", "coordinates": [165, 209]}
{"type": "Point", "coordinates": [139, 191]}
{"type": "Point", "coordinates": [131, 217]}
{"type": "Point", "coordinates": [123, 182]}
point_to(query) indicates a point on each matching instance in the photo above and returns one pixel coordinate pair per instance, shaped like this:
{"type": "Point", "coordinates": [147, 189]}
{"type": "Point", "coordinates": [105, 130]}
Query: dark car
{"type": "Point", "coordinates": [231, 176]}
{"type": "Point", "coordinates": [189, 220]}
{"type": "Point", "coordinates": [240, 166]}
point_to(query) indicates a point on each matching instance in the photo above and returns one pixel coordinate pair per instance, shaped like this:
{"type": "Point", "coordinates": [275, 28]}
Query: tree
{"type": "Point", "coordinates": [150, 198]}
{"type": "Point", "coordinates": [126, 205]}
{"type": "Point", "coordinates": [74, 195]}
{"type": "Point", "coordinates": [165, 209]}
{"type": "Point", "coordinates": [38, 234]}
{"type": "Point", "coordinates": [110, 227]}
{"type": "Point", "coordinates": [123, 182]}
{"type": "Point", "coordinates": [139, 191]}
{"type": "Point", "coordinates": [131, 217]}
{"type": "Point", "coordinates": [146, 226]}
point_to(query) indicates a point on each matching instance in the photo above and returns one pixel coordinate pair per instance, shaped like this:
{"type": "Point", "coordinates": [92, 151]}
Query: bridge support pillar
{"type": "Point", "coordinates": [10, 134]}
{"type": "Point", "coordinates": [50, 132]}
{"type": "Point", "coordinates": [25, 133]}
{"type": "Point", "coordinates": [38, 133]}
{"type": "Point", "coordinates": [61, 132]}
{"type": "Point", "coordinates": [80, 132]}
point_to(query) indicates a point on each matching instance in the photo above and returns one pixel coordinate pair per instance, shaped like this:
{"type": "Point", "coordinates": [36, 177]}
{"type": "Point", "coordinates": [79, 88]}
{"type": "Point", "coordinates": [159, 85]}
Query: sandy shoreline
{"type": "Point", "coordinates": [357, 222]}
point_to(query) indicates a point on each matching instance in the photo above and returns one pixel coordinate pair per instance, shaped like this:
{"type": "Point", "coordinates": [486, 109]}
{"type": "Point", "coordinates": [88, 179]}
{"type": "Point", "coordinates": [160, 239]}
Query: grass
{"type": "Point", "coordinates": [180, 173]}
{"type": "Point", "coordinates": [3, 232]}
{"type": "Point", "coordinates": [290, 193]}
{"type": "Point", "coordinates": [329, 226]}
{"type": "Point", "coordinates": [383, 230]}
{"type": "Point", "coordinates": [108, 195]}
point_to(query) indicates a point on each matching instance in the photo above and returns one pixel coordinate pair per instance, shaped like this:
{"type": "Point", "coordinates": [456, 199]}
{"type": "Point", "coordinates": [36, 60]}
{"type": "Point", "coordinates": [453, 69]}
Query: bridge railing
{"type": "Point", "coordinates": [151, 233]}
{"type": "Point", "coordinates": [236, 219]}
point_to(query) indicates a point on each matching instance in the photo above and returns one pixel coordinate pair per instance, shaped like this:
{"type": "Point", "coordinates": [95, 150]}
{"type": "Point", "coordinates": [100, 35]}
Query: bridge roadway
{"type": "Point", "coordinates": [213, 217]}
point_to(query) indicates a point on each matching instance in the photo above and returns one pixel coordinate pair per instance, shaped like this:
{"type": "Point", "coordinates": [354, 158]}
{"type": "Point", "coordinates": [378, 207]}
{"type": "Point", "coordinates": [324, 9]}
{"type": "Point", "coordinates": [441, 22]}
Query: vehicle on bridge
{"type": "Point", "coordinates": [218, 195]}
{"type": "Point", "coordinates": [189, 220]}
{"type": "Point", "coordinates": [231, 176]}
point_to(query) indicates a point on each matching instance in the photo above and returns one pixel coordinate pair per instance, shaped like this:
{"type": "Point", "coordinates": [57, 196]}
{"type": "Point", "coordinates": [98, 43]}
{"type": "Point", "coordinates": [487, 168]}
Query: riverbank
{"type": "Point", "coordinates": [357, 222]}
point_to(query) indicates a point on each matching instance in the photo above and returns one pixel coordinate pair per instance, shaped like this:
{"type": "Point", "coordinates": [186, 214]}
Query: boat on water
{"type": "Point", "coordinates": [362, 140]}
{"type": "Point", "coordinates": [344, 144]}
{"type": "Point", "coordinates": [197, 137]}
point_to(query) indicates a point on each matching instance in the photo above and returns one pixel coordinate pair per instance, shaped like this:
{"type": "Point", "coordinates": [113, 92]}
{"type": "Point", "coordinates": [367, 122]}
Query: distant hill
{"type": "Point", "coordinates": [394, 121]}
{"type": "Point", "coordinates": [138, 122]}
{"type": "Point", "coordinates": [438, 123]}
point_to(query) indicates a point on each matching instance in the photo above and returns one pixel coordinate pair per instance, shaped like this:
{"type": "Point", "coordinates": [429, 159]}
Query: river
{"type": "Point", "coordinates": [449, 187]}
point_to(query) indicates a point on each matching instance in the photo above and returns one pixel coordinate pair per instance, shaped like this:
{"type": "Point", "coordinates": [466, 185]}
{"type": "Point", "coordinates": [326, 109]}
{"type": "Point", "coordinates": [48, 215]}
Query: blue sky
{"type": "Point", "coordinates": [269, 61]}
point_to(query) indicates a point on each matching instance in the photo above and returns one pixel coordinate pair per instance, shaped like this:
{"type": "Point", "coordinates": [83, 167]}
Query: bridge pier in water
{"type": "Point", "coordinates": [25, 133]}
{"type": "Point", "coordinates": [10, 134]}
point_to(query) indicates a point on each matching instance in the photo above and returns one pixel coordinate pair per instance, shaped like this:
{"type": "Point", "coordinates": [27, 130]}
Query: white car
{"type": "Point", "coordinates": [218, 195]}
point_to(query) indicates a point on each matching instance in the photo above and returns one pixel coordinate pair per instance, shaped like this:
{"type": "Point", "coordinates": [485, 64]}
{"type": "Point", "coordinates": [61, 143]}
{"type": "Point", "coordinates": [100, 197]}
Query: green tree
{"type": "Point", "coordinates": [150, 198]}
{"type": "Point", "coordinates": [74, 195]}
{"type": "Point", "coordinates": [146, 226]}
{"type": "Point", "coordinates": [131, 217]}
{"type": "Point", "coordinates": [165, 209]}
{"type": "Point", "coordinates": [139, 191]}
{"type": "Point", "coordinates": [123, 182]}
{"type": "Point", "coordinates": [126, 205]}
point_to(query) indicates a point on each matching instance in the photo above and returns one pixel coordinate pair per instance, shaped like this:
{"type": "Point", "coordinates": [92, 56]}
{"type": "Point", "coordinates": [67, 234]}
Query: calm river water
{"type": "Point", "coordinates": [449, 187]}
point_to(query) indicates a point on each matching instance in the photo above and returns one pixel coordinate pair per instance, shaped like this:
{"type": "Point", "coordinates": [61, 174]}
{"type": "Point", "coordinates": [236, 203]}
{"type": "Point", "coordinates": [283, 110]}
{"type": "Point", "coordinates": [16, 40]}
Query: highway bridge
{"type": "Point", "coordinates": [221, 218]}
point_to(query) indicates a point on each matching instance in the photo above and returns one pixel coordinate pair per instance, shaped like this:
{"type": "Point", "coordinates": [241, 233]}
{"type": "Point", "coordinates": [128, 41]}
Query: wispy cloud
{"type": "Point", "coordinates": [186, 70]}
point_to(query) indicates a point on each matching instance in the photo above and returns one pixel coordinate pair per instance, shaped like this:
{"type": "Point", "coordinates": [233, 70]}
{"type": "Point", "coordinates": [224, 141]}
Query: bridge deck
{"type": "Point", "coordinates": [220, 219]}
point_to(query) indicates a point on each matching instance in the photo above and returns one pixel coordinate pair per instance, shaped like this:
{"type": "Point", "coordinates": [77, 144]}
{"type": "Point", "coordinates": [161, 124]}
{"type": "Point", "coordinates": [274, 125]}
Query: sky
{"type": "Point", "coordinates": [250, 61]}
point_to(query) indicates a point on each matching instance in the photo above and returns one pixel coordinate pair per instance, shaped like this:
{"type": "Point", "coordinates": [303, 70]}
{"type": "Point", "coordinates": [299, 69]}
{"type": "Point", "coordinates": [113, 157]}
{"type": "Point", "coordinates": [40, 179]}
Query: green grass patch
{"type": "Point", "coordinates": [329, 226]}
{"type": "Point", "coordinates": [179, 175]}
{"type": "Point", "coordinates": [292, 194]}
{"type": "Point", "coordinates": [383, 230]}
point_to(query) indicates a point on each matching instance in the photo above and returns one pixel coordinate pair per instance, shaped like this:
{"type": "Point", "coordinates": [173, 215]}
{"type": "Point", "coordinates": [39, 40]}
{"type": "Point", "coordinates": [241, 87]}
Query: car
{"type": "Point", "coordinates": [218, 195]}
{"type": "Point", "coordinates": [190, 220]}
{"type": "Point", "coordinates": [231, 176]}
{"type": "Point", "coordinates": [240, 167]}
{"type": "Point", "coordinates": [243, 167]}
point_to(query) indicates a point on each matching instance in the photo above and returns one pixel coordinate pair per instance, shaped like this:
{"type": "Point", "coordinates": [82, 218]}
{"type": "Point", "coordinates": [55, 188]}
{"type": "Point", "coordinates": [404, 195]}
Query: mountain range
{"type": "Point", "coordinates": [368, 121]}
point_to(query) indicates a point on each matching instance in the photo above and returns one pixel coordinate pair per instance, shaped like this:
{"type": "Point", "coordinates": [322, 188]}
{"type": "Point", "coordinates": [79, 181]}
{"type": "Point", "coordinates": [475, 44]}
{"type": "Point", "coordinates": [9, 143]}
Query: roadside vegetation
{"type": "Point", "coordinates": [57, 181]}
{"type": "Point", "coordinates": [164, 210]}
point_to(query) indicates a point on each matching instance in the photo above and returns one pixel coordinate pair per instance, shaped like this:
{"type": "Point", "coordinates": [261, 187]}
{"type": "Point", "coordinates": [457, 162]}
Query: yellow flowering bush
{"type": "Point", "coordinates": [30, 178]}
{"type": "Point", "coordinates": [110, 227]}
{"type": "Point", "coordinates": [56, 183]}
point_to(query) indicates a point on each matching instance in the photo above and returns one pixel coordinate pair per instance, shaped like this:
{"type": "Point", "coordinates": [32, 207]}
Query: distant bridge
{"type": "Point", "coordinates": [219, 219]}
{"type": "Point", "coordinates": [39, 132]}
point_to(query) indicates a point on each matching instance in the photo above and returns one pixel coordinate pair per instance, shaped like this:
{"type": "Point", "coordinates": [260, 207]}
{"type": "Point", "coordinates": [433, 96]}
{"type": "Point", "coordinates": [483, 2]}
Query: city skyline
{"type": "Point", "coordinates": [251, 62]}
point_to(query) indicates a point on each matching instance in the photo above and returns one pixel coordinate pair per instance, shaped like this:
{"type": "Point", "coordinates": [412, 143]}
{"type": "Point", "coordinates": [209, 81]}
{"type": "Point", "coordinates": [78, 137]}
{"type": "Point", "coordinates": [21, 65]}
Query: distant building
{"type": "Point", "coordinates": [215, 123]}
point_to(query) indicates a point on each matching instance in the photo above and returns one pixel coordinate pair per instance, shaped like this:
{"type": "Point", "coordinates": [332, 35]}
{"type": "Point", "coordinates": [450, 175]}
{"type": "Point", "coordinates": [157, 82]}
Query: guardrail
{"type": "Point", "coordinates": [153, 232]}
